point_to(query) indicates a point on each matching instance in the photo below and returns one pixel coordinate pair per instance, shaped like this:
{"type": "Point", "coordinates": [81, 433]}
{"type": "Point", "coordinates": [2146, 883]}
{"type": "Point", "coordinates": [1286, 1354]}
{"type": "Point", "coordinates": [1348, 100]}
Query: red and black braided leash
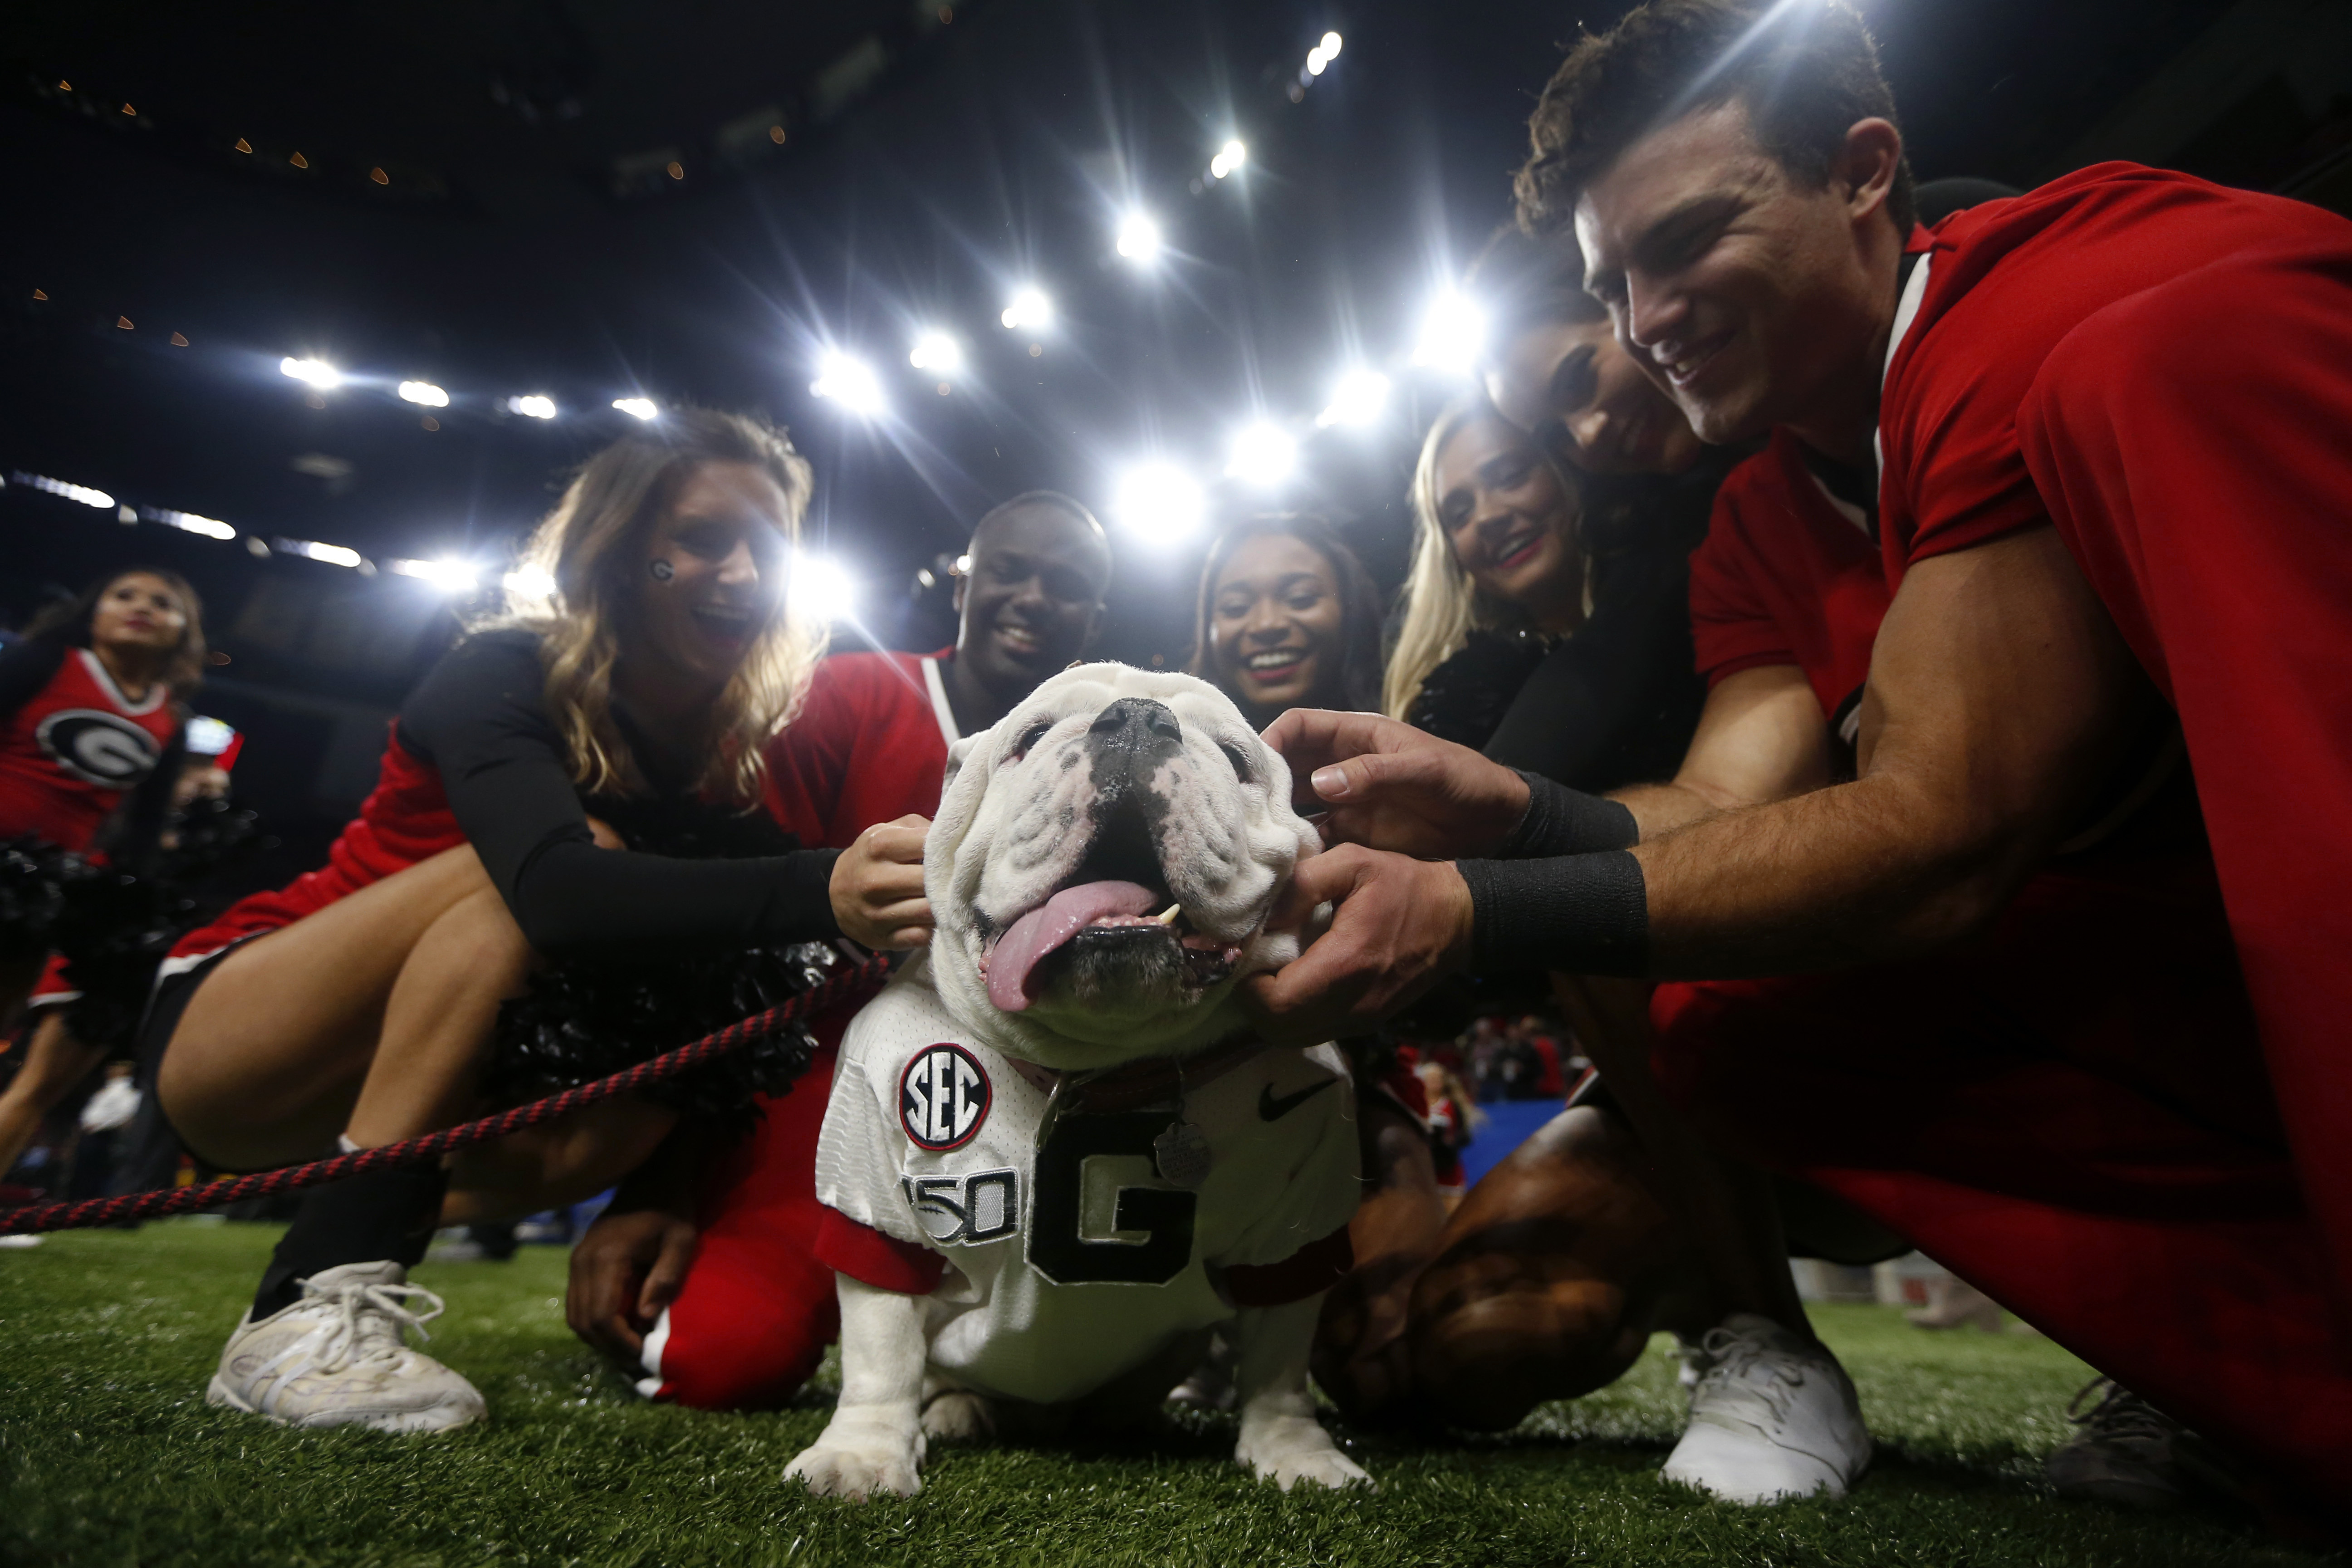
{"type": "Point", "coordinates": [843, 987]}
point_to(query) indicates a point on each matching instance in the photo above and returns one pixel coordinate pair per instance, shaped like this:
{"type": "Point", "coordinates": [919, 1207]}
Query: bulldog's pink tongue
{"type": "Point", "coordinates": [1022, 948]}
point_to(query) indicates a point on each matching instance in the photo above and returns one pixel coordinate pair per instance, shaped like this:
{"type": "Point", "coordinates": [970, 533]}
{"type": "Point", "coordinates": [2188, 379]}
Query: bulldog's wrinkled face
{"type": "Point", "coordinates": [1102, 865]}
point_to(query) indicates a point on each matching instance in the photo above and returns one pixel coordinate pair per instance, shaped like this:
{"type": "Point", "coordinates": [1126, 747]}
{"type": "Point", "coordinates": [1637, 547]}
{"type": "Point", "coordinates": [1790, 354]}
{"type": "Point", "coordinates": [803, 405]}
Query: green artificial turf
{"type": "Point", "coordinates": [109, 1455]}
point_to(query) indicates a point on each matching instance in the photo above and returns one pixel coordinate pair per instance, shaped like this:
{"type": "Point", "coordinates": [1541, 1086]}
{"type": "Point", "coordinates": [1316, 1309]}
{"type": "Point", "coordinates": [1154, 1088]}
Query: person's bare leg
{"type": "Point", "coordinates": [1360, 1356]}
{"type": "Point", "coordinates": [1727, 1209]}
{"type": "Point", "coordinates": [54, 1062]}
{"type": "Point", "coordinates": [1551, 1277]}
{"type": "Point", "coordinates": [268, 1059]}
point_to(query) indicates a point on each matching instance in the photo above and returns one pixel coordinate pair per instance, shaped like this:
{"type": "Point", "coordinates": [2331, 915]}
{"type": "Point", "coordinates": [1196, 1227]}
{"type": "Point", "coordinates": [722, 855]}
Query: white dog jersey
{"type": "Point", "coordinates": [1068, 1264]}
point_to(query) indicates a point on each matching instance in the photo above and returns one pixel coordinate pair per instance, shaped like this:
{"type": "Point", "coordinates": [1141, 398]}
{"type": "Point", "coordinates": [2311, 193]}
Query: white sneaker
{"type": "Point", "coordinates": [338, 1358]}
{"type": "Point", "coordinates": [1773, 1416]}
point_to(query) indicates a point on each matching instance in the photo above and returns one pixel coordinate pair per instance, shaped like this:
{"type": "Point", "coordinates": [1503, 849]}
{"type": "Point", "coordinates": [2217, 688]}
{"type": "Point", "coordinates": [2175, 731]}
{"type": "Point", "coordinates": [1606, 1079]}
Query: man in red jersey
{"type": "Point", "coordinates": [705, 1280]}
{"type": "Point", "coordinates": [2113, 427]}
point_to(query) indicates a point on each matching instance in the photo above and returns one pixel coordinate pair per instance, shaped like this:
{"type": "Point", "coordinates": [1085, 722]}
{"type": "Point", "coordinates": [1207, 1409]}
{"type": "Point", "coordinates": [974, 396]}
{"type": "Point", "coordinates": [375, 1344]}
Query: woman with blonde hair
{"type": "Point", "coordinates": [508, 857]}
{"type": "Point", "coordinates": [1546, 618]}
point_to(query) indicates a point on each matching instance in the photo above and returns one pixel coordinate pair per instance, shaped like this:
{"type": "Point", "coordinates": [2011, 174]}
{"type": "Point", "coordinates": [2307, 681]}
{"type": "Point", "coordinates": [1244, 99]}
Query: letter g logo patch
{"type": "Point", "coordinates": [943, 1096]}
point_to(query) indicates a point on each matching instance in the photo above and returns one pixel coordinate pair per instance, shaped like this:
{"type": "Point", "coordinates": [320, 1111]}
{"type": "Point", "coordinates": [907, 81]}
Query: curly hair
{"type": "Point", "coordinates": [1806, 71]}
{"type": "Point", "coordinates": [588, 549]}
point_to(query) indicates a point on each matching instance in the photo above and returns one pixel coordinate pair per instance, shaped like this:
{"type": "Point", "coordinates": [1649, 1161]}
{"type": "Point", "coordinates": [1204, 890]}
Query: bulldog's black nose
{"type": "Point", "coordinates": [1135, 724]}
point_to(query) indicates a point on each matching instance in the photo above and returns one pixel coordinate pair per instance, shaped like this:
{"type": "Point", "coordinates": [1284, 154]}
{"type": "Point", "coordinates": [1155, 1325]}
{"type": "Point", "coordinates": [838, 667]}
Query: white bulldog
{"type": "Point", "coordinates": [1056, 1155]}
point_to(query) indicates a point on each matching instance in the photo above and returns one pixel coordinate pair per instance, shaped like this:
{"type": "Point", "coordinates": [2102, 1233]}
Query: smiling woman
{"type": "Point", "coordinates": [1287, 619]}
{"type": "Point", "coordinates": [565, 834]}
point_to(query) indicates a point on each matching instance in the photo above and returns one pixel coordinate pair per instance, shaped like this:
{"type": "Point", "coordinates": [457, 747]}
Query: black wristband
{"type": "Point", "coordinates": [1586, 914]}
{"type": "Point", "coordinates": [1564, 821]}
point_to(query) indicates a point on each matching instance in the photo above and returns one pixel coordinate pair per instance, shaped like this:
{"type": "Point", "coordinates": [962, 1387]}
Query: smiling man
{"type": "Point", "coordinates": [2092, 1065]}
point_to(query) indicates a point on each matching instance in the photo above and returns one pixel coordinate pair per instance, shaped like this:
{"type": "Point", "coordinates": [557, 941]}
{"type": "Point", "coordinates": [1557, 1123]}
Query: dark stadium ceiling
{"type": "Point", "coordinates": [696, 201]}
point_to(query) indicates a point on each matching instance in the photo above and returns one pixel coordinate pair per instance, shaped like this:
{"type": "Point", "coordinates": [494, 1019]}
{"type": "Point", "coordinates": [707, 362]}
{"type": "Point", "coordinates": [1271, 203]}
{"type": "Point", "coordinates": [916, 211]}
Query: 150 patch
{"type": "Point", "coordinates": [978, 1207]}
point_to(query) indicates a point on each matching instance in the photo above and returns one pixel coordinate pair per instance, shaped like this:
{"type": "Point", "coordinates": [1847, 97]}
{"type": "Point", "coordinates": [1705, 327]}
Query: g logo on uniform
{"type": "Point", "coordinates": [943, 1096]}
{"type": "Point", "coordinates": [98, 748]}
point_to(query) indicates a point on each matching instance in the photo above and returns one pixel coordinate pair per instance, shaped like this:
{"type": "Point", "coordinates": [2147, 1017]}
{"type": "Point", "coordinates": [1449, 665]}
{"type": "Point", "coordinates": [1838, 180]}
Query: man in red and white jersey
{"type": "Point", "coordinates": [706, 1280]}
{"type": "Point", "coordinates": [2111, 420]}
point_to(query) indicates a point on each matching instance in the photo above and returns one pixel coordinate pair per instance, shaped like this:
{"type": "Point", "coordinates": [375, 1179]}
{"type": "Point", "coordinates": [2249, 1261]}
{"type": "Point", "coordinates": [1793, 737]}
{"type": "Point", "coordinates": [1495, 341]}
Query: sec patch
{"type": "Point", "coordinates": [944, 1098]}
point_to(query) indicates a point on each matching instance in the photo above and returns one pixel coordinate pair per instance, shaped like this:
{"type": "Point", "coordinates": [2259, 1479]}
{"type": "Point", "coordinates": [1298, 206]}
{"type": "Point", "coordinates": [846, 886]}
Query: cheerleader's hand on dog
{"type": "Point", "coordinates": [877, 886]}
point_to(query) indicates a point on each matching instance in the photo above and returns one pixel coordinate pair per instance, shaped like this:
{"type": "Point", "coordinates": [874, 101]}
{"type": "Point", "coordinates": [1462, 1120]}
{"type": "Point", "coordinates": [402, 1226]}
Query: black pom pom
{"type": "Point", "coordinates": [34, 875]}
{"type": "Point", "coordinates": [1465, 698]}
{"type": "Point", "coordinates": [585, 1020]}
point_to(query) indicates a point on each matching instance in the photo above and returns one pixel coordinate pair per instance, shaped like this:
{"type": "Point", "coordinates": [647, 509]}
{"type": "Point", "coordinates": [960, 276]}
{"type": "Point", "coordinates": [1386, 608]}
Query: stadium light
{"type": "Point", "coordinates": [850, 381]}
{"type": "Point", "coordinates": [189, 522]}
{"type": "Point", "coordinates": [1159, 502]}
{"type": "Point", "coordinates": [317, 373]}
{"type": "Point", "coordinates": [1028, 308]}
{"type": "Point", "coordinates": [448, 575]}
{"type": "Point", "coordinates": [1231, 156]}
{"type": "Point", "coordinates": [529, 581]}
{"type": "Point", "coordinates": [937, 352]}
{"type": "Point", "coordinates": [534, 405]}
{"type": "Point", "coordinates": [821, 590]}
{"type": "Point", "coordinates": [1139, 239]}
{"type": "Point", "coordinates": [1358, 399]}
{"type": "Point", "coordinates": [1331, 42]}
{"type": "Point", "coordinates": [424, 391]}
{"type": "Point", "coordinates": [82, 493]}
{"type": "Point", "coordinates": [1453, 334]}
{"type": "Point", "coordinates": [331, 554]}
{"type": "Point", "coordinates": [638, 408]}
{"type": "Point", "coordinates": [1264, 455]}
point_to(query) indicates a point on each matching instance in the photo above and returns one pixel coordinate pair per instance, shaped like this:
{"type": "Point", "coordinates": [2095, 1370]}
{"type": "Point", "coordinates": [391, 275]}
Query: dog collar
{"type": "Point", "coordinates": [1150, 1082]}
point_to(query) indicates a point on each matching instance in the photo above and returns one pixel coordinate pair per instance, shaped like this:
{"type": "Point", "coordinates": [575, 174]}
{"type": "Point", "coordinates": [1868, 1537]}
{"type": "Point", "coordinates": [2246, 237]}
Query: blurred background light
{"type": "Point", "coordinates": [317, 373]}
{"type": "Point", "coordinates": [448, 575]}
{"type": "Point", "coordinates": [850, 381]}
{"type": "Point", "coordinates": [821, 589]}
{"type": "Point", "coordinates": [424, 391]}
{"type": "Point", "coordinates": [1264, 455]}
{"type": "Point", "coordinates": [1159, 502]}
{"type": "Point", "coordinates": [331, 554]}
{"type": "Point", "coordinates": [1231, 156]}
{"type": "Point", "coordinates": [1358, 398]}
{"type": "Point", "coordinates": [535, 405]}
{"type": "Point", "coordinates": [529, 581]}
{"type": "Point", "coordinates": [1453, 334]}
{"type": "Point", "coordinates": [82, 493]}
{"type": "Point", "coordinates": [189, 522]}
{"type": "Point", "coordinates": [1028, 308]}
{"type": "Point", "coordinates": [1139, 239]}
{"type": "Point", "coordinates": [637, 408]}
{"type": "Point", "coordinates": [937, 352]}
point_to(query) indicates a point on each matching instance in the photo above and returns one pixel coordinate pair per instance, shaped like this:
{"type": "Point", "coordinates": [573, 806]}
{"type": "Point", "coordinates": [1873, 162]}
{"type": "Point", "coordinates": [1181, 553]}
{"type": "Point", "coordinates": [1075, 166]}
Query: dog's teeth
{"type": "Point", "coordinates": [1167, 917]}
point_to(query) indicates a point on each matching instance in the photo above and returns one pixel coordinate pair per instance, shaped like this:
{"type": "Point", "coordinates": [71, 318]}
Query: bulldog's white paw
{"type": "Point", "coordinates": [1292, 1449]}
{"type": "Point", "coordinates": [958, 1416]}
{"type": "Point", "coordinates": [860, 1471]}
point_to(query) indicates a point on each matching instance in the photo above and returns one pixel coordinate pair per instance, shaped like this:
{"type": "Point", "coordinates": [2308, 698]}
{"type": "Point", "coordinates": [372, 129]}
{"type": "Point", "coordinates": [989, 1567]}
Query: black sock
{"type": "Point", "coordinates": [359, 1219]}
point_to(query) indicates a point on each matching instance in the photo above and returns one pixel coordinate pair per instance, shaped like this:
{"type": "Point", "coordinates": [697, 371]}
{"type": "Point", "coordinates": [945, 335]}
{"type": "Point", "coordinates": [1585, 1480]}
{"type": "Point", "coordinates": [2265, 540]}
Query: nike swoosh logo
{"type": "Point", "coordinates": [1270, 1109]}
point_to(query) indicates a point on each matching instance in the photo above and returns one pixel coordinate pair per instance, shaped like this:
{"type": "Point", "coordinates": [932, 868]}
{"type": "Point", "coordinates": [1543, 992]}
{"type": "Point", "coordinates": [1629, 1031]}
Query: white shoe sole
{"type": "Point", "coordinates": [440, 1418]}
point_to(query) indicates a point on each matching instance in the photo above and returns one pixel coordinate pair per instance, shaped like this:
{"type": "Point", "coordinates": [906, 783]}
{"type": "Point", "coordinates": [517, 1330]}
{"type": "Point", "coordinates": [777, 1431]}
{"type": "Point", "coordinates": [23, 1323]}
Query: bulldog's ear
{"type": "Point", "coordinates": [957, 753]}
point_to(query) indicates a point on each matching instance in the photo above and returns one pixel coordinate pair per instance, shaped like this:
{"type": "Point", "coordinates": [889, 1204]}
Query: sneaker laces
{"type": "Point", "coordinates": [2120, 1415]}
{"type": "Point", "coordinates": [366, 1325]}
{"type": "Point", "coordinates": [1745, 1362]}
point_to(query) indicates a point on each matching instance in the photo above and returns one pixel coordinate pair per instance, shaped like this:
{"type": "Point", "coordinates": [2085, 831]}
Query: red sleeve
{"type": "Point", "coordinates": [1309, 1271]}
{"type": "Point", "coordinates": [1732, 628]}
{"type": "Point", "coordinates": [873, 1259]}
{"type": "Point", "coordinates": [807, 763]}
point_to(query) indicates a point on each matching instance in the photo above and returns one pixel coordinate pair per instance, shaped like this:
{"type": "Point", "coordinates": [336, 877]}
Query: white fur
{"type": "Point", "coordinates": [1012, 826]}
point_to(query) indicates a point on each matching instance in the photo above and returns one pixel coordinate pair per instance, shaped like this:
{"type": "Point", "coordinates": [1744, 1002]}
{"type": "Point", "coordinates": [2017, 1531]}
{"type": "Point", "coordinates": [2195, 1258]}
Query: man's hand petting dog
{"type": "Point", "coordinates": [1387, 785]}
{"type": "Point", "coordinates": [877, 886]}
{"type": "Point", "coordinates": [623, 1272]}
{"type": "Point", "coordinates": [1398, 926]}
